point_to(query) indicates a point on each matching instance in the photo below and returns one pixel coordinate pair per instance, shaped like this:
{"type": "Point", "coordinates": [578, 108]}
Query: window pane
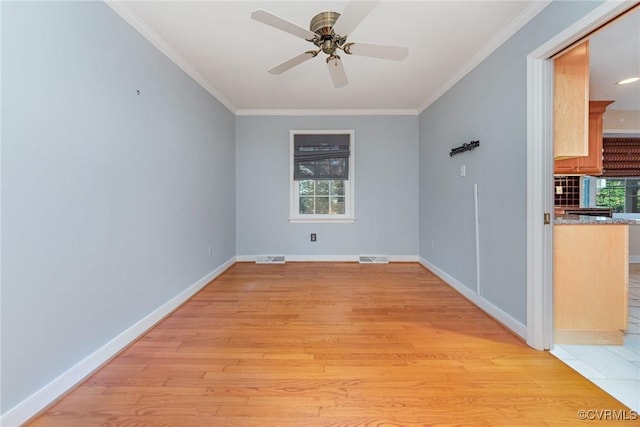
{"type": "Point", "coordinates": [337, 205]}
{"type": "Point", "coordinates": [322, 205]}
{"type": "Point", "coordinates": [337, 188]}
{"type": "Point", "coordinates": [306, 205]}
{"type": "Point", "coordinates": [322, 187]}
{"type": "Point", "coordinates": [634, 190]}
{"type": "Point", "coordinates": [610, 193]}
{"type": "Point", "coordinates": [306, 187]}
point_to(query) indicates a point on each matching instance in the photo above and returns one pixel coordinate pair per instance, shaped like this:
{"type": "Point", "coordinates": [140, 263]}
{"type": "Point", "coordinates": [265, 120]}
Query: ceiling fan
{"type": "Point", "coordinates": [328, 31]}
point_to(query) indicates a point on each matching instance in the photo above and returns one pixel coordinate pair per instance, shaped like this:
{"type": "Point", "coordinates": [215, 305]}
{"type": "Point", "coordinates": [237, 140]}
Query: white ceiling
{"type": "Point", "coordinates": [614, 54]}
{"type": "Point", "coordinates": [228, 53]}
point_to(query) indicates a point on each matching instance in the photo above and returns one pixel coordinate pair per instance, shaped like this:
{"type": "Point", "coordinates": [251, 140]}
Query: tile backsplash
{"type": "Point", "coordinates": [567, 191]}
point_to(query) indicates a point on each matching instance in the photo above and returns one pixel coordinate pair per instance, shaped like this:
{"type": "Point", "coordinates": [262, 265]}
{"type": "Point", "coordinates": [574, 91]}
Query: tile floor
{"type": "Point", "coordinates": [615, 369]}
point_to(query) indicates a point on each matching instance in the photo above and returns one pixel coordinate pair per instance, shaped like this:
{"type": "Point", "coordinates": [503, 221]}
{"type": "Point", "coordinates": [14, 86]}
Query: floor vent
{"type": "Point", "coordinates": [270, 259]}
{"type": "Point", "coordinates": [373, 259]}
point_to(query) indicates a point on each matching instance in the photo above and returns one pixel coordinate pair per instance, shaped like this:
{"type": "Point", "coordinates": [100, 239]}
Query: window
{"type": "Point", "coordinates": [322, 176]}
{"type": "Point", "coordinates": [621, 194]}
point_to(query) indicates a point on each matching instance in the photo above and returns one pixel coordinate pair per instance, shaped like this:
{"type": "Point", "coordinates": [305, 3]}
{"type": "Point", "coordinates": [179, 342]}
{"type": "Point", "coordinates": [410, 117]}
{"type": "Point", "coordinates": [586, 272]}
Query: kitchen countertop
{"type": "Point", "coordinates": [586, 219]}
{"type": "Point", "coordinates": [575, 210]}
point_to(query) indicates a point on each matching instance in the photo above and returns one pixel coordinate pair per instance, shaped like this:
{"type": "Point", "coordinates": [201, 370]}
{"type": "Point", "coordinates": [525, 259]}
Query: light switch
{"type": "Point", "coordinates": [463, 170]}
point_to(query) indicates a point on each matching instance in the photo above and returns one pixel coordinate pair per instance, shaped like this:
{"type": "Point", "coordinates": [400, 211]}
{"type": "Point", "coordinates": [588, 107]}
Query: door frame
{"type": "Point", "coordinates": [540, 169]}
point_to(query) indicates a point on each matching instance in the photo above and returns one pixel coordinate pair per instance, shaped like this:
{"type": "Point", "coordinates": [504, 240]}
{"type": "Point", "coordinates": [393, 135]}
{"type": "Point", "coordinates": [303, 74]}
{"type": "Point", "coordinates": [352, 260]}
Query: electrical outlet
{"type": "Point", "coordinates": [210, 249]}
{"type": "Point", "coordinates": [313, 237]}
{"type": "Point", "coordinates": [463, 170]}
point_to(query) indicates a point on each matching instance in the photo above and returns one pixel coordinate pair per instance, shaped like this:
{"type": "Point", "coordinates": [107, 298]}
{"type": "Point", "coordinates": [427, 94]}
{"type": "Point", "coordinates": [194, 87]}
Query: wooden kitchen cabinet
{"type": "Point", "coordinates": [590, 281]}
{"type": "Point", "coordinates": [591, 164]}
{"type": "Point", "coordinates": [571, 103]}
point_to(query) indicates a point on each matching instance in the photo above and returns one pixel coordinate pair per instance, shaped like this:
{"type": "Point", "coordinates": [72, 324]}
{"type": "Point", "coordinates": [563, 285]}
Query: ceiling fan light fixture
{"type": "Point", "coordinates": [628, 81]}
{"type": "Point", "coordinates": [328, 47]}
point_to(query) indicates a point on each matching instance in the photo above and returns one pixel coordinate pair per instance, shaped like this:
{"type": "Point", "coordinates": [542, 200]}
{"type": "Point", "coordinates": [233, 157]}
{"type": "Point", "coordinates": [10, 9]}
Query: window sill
{"type": "Point", "coordinates": [341, 219]}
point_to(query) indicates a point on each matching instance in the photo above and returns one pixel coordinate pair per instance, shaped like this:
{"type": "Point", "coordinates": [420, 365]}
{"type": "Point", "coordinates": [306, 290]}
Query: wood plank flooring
{"type": "Point", "coordinates": [324, 344]}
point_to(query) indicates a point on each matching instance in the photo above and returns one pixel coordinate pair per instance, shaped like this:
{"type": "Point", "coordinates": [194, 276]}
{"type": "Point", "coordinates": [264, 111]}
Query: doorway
{"type": "Point", "coordinates": [540, 192]}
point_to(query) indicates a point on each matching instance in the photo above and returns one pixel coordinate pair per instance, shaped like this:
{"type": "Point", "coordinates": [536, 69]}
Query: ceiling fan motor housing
{"type": "Point", "coordinates": [322, 25]}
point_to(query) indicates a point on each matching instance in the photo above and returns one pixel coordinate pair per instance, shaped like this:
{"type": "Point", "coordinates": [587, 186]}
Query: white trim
{"type": "Point", "coordinates": [634, 259]}
{"type": "Point", "coordinates": [1, 258]}
{"type": "Point", "coordinates": [156, 40]}
{"type": "Point", "coordinates": [328, 112]}
{"type": "Point", "coordinates": [322, 258]}
{"type": "Point", "coordinates": [539, 201]}
{"type": "Point", "coordinates": [509, 30]}
{"type": "Point", "coordinates": [540, 169]}
{"type": "Point", "coordinates": [476, 224]}
{"type": "Point", "coordinates": [590, 22]}
{"type": "Point", "coordinates": [133, 19]}
{"type": "Point", "coordinates": [317, 218]}
{"type": "Point", "coordinates": [39, 400]}
{"type": "Point", "coordinates": [403, 258]}
{"type": "Point", "coordinates": [485, 305]}
{"type": "Point", "coordinates": [329, 258]}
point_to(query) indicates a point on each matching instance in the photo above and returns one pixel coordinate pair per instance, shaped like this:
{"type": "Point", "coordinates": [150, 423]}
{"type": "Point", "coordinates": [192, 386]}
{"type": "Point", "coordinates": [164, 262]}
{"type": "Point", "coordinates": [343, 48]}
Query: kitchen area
{"type": "Point", "coordinates": [596, 226]}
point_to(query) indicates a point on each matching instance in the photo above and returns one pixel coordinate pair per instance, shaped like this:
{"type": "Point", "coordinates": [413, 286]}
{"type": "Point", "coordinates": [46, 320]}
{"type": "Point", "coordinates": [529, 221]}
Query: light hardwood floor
{"type": "Point", "coordinates": [323, 344]}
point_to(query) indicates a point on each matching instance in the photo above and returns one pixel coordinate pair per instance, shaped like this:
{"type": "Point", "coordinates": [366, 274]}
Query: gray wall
{"type": "Point", "coordinates": [109, 199]}
{"type": "Point", "coordinates": [386, 188]}
{"type": "Point", "coordinates": [489, 105]}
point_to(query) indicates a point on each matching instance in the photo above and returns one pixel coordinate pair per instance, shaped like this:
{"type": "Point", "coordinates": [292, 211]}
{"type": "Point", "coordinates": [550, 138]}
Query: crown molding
{"type": "Point", "coordinates": [133, 19]}
{"type": "Point", "coordinates": [329, 258]}
{"type": "Point", "coordinates": [159, 43]}
{"type": "Point", "coordinates": [321, 112]}
{"type": "Point", "coordinates": [507, 32]}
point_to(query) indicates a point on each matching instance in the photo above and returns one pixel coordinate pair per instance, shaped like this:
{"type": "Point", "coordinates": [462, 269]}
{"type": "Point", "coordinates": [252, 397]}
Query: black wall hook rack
{"type": "Point", "coordinates": [464, 147]}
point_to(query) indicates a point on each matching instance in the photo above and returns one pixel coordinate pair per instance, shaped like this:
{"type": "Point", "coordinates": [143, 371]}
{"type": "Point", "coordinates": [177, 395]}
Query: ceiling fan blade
{"type": "Point", "coordinates": [353, 14]}
{"type": "Point", "coordinates": [394, 53]}
{"type": "Point", "coordinates": [336, 69]}
{"type": "Point", "coordinates": [281, 24]}
{"type": "Point", "coordinates": [296, 60]}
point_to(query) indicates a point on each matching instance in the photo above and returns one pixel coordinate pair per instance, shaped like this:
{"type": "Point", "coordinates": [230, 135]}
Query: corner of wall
{"type": "Point", "coordinates": [492, 310]}
{"type": "Point", "coordinates": [48, 394]}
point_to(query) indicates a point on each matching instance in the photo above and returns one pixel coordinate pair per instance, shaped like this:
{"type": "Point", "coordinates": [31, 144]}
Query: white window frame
{"type": "Point", "coordinates": [349, 193]}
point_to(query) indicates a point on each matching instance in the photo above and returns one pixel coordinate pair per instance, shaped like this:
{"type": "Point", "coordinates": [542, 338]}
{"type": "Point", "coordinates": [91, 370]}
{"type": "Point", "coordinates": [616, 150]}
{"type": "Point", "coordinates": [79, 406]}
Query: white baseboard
{"type": "Point", "coordinates": [403, 258]}
{"type": "Point", "coordinates": [329, 258]}
{"type": "Point", "coordinates": [634, 259]}
{"type": "Point", "coordinates": [38, 401]}
{"type": "Point", "coordinates": [492, 310]}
